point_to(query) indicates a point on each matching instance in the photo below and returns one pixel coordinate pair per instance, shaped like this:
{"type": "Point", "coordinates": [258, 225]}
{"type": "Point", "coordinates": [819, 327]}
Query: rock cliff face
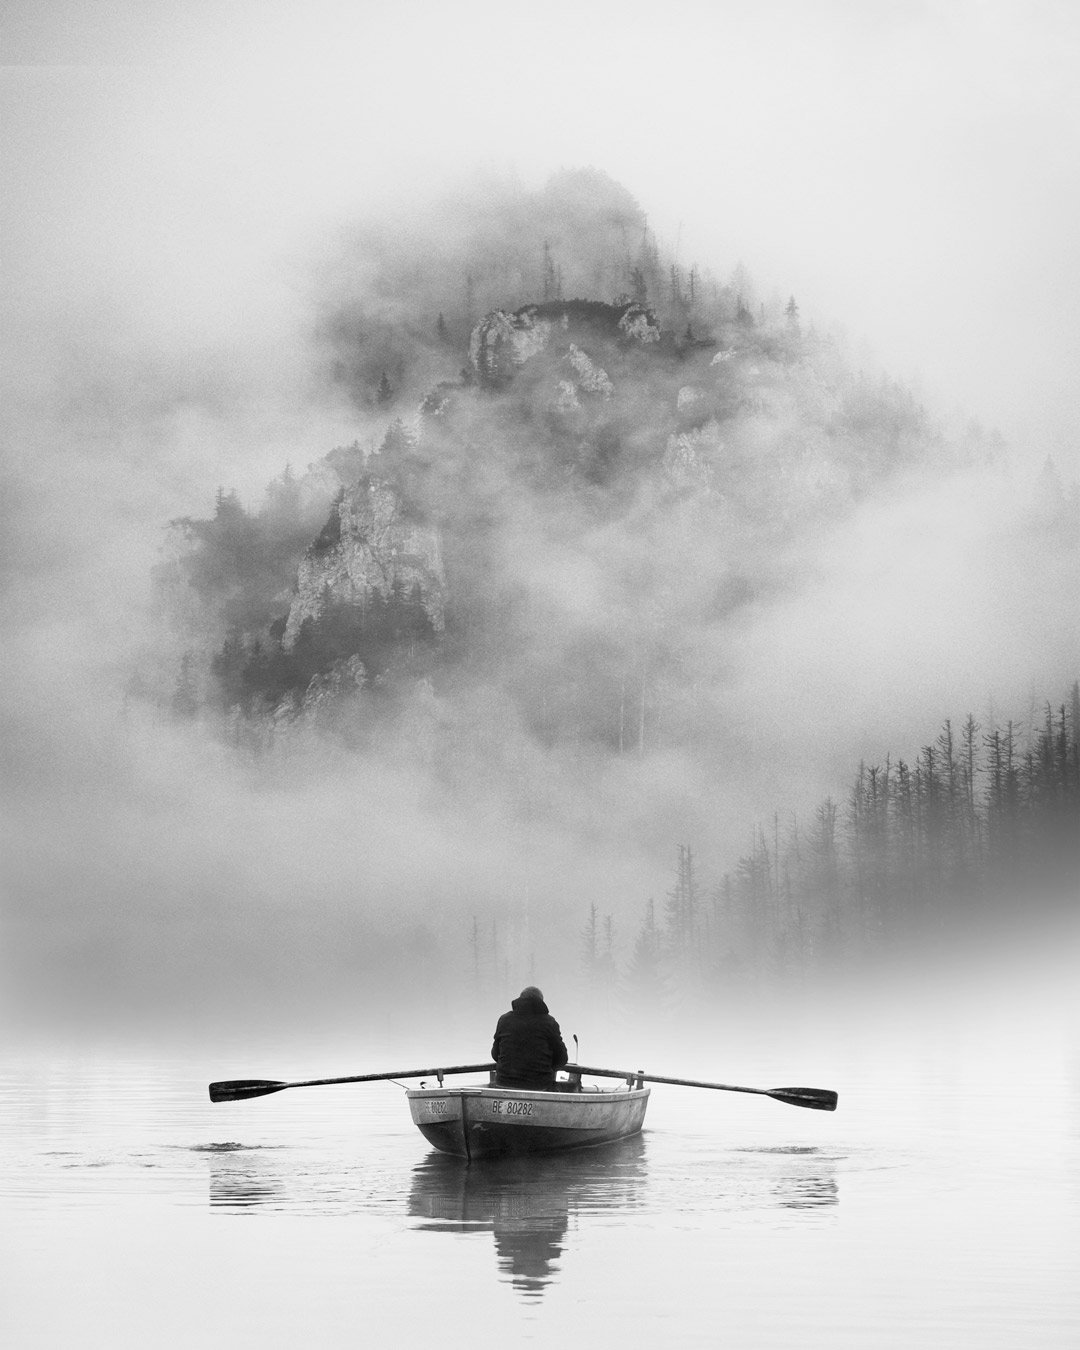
{"type": "Point", "coordinates": [369, 546]}
{"type": "Point", "coordinates": [502, 342]}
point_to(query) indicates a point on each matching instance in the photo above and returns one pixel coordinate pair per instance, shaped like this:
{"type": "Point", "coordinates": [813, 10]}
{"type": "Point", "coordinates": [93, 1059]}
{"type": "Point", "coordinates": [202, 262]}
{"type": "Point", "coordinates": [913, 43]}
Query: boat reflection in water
{"type": "Point", "coordinates": [527, 1202]}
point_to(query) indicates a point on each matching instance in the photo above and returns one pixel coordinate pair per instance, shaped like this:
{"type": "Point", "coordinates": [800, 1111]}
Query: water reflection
{"type": "Point", "coordinates": [526, 1203]}
{"type": "Point", "coordinates": [808, 1190]}
{"type": "Point", "coordinates": [808, 1181]}
{"type": "Point", "coordinates": [240, 1176]}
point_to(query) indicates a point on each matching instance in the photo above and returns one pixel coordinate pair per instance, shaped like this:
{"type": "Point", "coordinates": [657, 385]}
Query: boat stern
{"type": "Point", "coordinates": [440, 1117]}
{"type": "Point", "coordinates": [482, 1122]}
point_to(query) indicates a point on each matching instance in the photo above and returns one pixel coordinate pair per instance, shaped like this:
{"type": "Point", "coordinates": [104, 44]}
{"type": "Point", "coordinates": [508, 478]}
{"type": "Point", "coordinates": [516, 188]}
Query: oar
{"type": "Point", "coordinates": [815, 1099]}
{"type": "Point", "coordinates": [239, 1089]}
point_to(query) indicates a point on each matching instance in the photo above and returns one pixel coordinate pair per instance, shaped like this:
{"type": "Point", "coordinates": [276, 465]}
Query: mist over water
{"type": "Point", "coordinates": [939, 1194]}
{"type": "Point", "coordinates": [156, 876]}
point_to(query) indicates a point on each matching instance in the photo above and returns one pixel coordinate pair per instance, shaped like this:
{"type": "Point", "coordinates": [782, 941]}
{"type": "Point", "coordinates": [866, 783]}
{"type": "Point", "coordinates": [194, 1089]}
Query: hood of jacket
{"type": "Point", "coordinates": [530, 1007]}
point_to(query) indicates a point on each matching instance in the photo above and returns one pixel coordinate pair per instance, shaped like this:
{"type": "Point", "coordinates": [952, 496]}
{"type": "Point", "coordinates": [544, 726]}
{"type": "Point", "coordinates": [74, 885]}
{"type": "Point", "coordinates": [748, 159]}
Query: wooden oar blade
{"type": "Point", "coordinates": [814, 1099]}
{"type": "Point", "coordinates": [239, 1089]}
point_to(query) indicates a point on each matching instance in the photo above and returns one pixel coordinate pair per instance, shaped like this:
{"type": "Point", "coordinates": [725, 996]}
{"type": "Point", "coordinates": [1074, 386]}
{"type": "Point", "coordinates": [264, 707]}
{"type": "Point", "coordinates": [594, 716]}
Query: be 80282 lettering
{"type": "Point", "coordinates": [501, 1107]}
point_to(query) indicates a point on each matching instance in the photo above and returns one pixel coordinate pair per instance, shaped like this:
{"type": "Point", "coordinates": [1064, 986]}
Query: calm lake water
{"type": "Point", "coordinates": [937, 1208]}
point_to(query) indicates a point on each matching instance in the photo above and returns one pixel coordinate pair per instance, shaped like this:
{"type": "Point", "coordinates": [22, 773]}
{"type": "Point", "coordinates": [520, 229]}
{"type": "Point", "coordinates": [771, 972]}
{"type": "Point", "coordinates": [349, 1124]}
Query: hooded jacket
{"type": "Point", "coordinates": [528, 1046]}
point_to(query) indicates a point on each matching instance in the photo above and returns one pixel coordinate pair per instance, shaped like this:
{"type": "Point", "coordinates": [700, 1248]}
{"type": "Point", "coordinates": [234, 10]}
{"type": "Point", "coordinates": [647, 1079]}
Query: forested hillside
{"type": "Point", "coordinates": [606, 482]}
{"type": "Point", "coordinates": [595, 466]}
{"type": "Point", "coordinates": [979, 833]}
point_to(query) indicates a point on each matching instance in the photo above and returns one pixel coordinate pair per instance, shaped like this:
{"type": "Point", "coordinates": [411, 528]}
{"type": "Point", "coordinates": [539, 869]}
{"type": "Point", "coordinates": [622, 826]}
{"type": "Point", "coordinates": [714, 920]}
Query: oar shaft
{"type": "Point", "coordinates": [242, 1089]}
{"type": "Point", "coordinates": [816, 1099]}
{"type": "Point", "coordinates": [398, 1073]}
{"type": "Point", "coordinates": [655, 1078]}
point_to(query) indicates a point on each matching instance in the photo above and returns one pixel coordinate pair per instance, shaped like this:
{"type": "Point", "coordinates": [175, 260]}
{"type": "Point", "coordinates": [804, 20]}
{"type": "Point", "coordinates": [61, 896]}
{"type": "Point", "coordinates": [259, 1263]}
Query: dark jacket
{"type": "Point", "coordinates": [528, 1046]}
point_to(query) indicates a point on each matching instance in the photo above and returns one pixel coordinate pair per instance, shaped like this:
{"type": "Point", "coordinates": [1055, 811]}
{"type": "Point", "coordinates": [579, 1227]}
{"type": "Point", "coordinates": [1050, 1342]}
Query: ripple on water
{"type": "Point", "coordinates": [228, 1146]}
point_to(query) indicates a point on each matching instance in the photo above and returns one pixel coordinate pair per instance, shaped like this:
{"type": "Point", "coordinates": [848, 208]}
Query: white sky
{"type": "Point", "coordinates": [907, 169]}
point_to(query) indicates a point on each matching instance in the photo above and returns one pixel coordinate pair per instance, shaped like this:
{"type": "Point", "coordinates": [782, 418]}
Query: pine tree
{"type": "Point", "coordinates": [676, 286]}
{"type": "Point", "coordinates": [905, 830]}
{"type": "Point", "coordinates": [474, 948]}
{"type": "Point", "coordinates": [928, 786]}
{"type": "Point", "coordinates": [185, 701]}
{"type": "Point", "coordinates": [752, 893]}
{"type": "Point", "coordinates": [227, 508]}
{"type": "Point", "coordinates": [470, 300]}
{"type": "Point", "coordinates": [607, 972]}
{"type": "Point", "coordinates": [589, 944]}
{"type": "Point", "coordinates": [283, 501]}
{"type": "Point", "coordinates": [823, 874]}
{"type": "Point", "coordinates": [1002, 801]}
{"type": "Point", "coordinates": [680, 927]}
{"type": "Point", "coordinates": [969, 832]}
{"type": "Point", "coordinates": [950, 805]}
{"type": "Point", "coordinates": [549, 282]}
{"type": "Point", "coordinates": [646, 963]}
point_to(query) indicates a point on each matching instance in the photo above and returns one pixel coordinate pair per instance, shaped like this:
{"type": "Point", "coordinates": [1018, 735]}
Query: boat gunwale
{"type": "Point", "coordinates": [538, 1094]}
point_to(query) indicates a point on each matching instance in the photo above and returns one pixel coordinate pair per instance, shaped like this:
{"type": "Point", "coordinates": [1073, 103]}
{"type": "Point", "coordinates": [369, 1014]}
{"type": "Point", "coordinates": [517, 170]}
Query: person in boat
{"type": "Point", "coordinates": [528, 1045]}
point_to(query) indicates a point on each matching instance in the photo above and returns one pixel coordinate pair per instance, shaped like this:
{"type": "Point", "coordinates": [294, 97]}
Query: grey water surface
{"type": "Point", "coordinates": [938, 1207]}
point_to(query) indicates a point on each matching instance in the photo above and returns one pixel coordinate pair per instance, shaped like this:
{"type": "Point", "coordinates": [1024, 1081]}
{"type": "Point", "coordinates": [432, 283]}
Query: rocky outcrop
{"type": "Point", "coordinates": [638, 324]}
{"type": "Point", "coordinates": [501, 343]}
{"type": "Point", "coordinates": [326, 689]}
{"type": "Point", "coordinates": [591, 378]}
{"type": "Point", "coordinates": [369, 546]}
{"type": "Point", "coordinates": [690, 456]}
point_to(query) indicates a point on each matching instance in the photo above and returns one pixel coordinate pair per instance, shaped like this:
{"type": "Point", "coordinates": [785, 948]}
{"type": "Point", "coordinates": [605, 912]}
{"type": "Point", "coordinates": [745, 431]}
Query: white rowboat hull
{"type": "Point", "coordinates": [485, 1122]}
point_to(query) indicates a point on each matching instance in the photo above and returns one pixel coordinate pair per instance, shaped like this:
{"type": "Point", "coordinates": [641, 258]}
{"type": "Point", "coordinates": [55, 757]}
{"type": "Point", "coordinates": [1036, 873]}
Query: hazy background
{"type": "Point", "coordinates": [175, 178]}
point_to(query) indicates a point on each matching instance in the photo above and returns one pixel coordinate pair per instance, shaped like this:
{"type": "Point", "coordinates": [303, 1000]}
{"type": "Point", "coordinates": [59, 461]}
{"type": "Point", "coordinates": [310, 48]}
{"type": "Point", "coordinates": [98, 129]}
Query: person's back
{"type": "Point", "coordinates": [528, 1046]}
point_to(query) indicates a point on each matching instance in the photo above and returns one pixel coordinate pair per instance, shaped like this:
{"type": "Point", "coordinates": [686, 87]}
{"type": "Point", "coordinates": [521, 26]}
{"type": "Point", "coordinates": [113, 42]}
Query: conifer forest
{"type": "Point", "coordinates": [587, 470]}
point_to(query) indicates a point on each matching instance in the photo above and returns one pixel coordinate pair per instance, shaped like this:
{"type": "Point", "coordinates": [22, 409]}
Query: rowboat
{"type": "Point", "coordinates": [491, 1121]}
{"type": "Point", "coordinates": [486, 1122]}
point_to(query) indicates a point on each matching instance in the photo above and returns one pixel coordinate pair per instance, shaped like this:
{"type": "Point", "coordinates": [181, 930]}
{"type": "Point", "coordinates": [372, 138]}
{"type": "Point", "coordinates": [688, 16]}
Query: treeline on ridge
{"type": "Point", "coordinates": [980, 827]}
